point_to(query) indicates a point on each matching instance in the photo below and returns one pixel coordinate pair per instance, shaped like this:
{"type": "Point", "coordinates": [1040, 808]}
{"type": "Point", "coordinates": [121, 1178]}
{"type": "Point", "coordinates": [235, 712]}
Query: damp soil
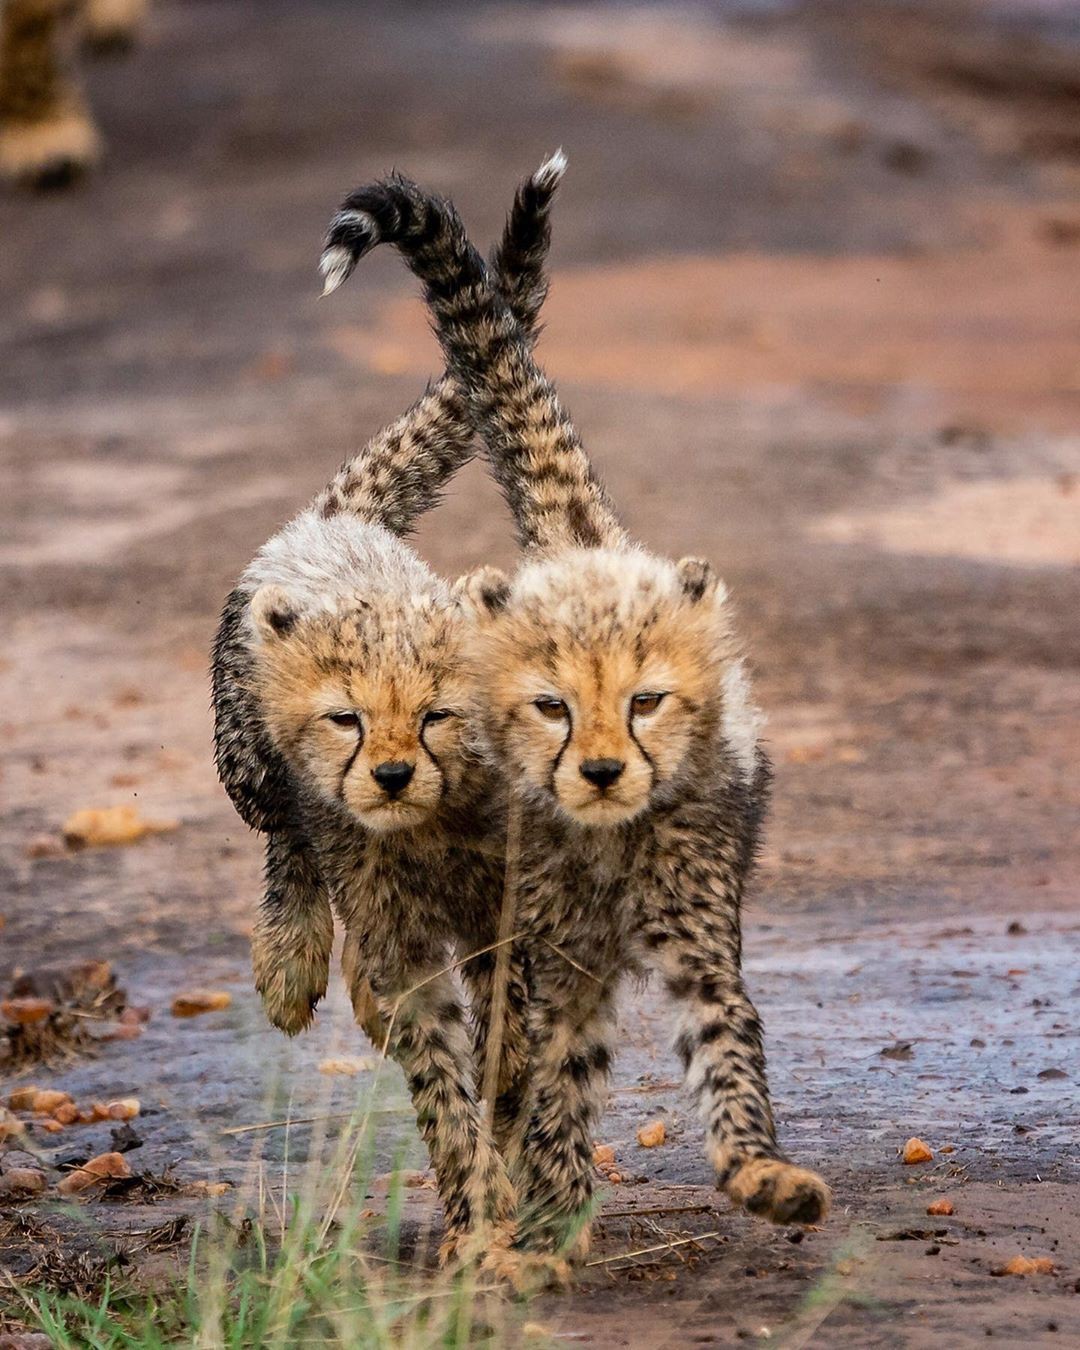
{"type": "Point", "coordinates": [815, 314]}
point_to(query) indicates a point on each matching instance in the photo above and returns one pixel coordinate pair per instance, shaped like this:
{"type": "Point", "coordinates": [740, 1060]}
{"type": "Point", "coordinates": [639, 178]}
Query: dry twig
{"type": "Point", "coordinates": [647, 1251]}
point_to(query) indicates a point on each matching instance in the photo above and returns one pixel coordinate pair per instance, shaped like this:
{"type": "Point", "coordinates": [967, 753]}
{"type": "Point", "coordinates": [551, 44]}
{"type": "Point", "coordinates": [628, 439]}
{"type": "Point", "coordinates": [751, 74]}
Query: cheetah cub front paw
{"type": "Point", "coordinates": [780, 1191]}
{"type": "Point", "coordinates": [290, 984]}
{"type": "Point", "coordinates": [488, 1247]}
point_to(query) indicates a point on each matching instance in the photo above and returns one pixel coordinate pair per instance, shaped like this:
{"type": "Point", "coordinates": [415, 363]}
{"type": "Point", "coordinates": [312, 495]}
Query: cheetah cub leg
{"type": "Point", "coordinates": [427, 1035]}
{"type": "Point", "coordinates": [47, 137]}
{"type": "Point", "coordinates": [478, 975]}
{"type": "Point", "coordinates": [571, 1020]}
{"type": "Point", "coordinates": [293, 935]}
{"type": "Point", "coordinates": [720, 1044]}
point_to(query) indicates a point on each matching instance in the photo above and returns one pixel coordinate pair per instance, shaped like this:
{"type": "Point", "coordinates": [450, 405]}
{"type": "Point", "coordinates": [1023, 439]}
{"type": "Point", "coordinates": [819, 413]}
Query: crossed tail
{"type": "Point", "coordinates": [400, 473]}
{"type": "Point", "coordinates": [536, 455]}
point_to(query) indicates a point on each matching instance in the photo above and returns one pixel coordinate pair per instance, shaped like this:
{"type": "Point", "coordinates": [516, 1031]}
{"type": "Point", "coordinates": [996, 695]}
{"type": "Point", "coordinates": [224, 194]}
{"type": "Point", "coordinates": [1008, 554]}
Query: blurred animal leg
{"type": "Point", "coordinates": [46, 135]}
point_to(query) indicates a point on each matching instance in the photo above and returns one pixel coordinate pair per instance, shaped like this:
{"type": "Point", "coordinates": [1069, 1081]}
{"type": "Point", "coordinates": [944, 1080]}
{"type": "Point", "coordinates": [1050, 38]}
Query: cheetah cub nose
{"type": "Point", "coordinates": [393, 775]}
{"type": "Point", "coordinates": [602, 772]}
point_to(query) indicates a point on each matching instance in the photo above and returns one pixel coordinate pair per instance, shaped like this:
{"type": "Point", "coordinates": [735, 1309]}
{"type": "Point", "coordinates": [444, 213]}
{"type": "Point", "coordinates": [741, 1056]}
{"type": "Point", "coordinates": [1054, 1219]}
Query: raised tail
{"type": "Point", "coordinates": [400, 473]}
{"type": "Point", "coordinates": [535, 453]}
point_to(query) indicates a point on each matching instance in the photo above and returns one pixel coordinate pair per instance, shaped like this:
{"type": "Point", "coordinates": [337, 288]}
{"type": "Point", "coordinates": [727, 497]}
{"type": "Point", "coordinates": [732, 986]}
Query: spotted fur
{"type": "Point", "coordinates": [617, 700]}
{"type": "Point", "coordinates": [342, 694]}
{"type": "Point", "coordinates": [47, 133]}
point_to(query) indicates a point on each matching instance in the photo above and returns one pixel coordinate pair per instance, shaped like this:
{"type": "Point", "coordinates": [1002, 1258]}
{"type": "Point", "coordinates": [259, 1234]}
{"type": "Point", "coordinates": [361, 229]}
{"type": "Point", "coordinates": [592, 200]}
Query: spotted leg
{"type": "Point", "coordinates": [479, 975]}
{"type": "Point", "coordinates": [293, 934]}
{"type": "Point", "coordinates": [426, 1034]}
{"type": "Point", "coordinates": [571, 1030]}
{"type": "Point", "coordinates": [692, 895]}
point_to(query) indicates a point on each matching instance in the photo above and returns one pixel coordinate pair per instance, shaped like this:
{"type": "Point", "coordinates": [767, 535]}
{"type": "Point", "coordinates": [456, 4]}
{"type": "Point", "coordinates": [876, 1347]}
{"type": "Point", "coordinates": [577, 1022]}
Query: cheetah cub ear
{"type": "Point", "coordinates": [274, 613]}
{"type": "Point", "coordinates": [484, 592]}
{"type": "Point", "coordinates": [698, 580]}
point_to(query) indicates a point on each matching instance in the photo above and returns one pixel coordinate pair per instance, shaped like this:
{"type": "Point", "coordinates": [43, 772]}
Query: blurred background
{"type": "Point", "coordinates": [816, 310]}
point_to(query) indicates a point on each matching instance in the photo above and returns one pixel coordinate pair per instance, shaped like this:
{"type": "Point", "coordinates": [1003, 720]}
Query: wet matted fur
{"type": "Point", "coordinates": [343, 697]}
{"type": "Point", "coordinates": [617, 701]}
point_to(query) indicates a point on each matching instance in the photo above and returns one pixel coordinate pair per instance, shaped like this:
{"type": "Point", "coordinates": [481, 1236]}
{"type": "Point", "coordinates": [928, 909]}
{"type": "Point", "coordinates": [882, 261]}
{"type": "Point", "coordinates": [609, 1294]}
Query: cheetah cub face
{"type": "Point", "coordinates": [367, 706]}
{"type": "Point", "coordinates": [603, 669]}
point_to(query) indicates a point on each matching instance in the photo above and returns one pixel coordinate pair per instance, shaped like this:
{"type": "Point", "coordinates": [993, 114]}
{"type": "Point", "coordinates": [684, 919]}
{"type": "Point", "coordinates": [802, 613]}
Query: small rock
{"type": "Point", "coordinates": [915, 1151]}
{"type": "Point", "coordinates": [1024, 1265]}
{"type": "Point", "coordinates": [67, 1113]}
{"type": "Point", "coordinates": [76, 1182]}
{"type": "Point", "coordinates": [22, 1181]}
{"type": "Point", "coordinates": [108, 1165]}
{"type": "Point", "coordinates": [103, 827]}
{"type": "Point", "coordinates": [209, 1189]}
{"type": "Point", "coordinates": [197, 1001]}
{"type": "Point", "coordinates": [27, 1011]}
{"type": "Point", "coordinates": [127, 1108]}
{"type": "Point", "coordinates": [940, 1207]}
{"type": "Point", "coordinates": [652, 1135]}
{"type": "Point", "coordinates": [22, 1099]}
{"type": "Point", "coordinates": [603, 1155]}
{"type": "Point", "coordinates": [349, 1065]}
{"type": "Point", "coordinates": [46, 1101]}
{"type": "Point", "coordinates": [102, 1168]}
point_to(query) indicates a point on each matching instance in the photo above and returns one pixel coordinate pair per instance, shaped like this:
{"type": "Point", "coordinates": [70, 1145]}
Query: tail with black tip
{"type": "Point", "coordinates": [398, 476]}
{"type": "Point", "coordinates": [535, 452]}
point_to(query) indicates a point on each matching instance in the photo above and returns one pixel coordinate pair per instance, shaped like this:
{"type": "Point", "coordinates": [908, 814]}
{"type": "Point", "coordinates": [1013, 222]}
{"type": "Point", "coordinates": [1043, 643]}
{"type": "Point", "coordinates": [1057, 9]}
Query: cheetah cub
{"type": "Point", "coordinates": [47, 133]}
{"type": "Point", "coordinates": [342, 691]}
{"type": "Point", "coordinates": [618, 704]}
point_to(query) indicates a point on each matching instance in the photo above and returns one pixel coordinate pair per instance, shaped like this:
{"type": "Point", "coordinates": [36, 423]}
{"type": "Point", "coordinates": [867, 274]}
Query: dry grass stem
{"type": "Point", "coordinates": [656, 1209]}
{"type": "Point", "coordinates": [661, 1247]}
{"type": "Point", "coordinates": [571, 962]}
{"type": "Point", "coordinates": [507, 919]}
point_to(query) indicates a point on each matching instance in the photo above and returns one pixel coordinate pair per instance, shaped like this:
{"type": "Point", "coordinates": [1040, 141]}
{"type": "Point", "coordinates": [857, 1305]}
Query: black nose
{"type": "Point", "coordinates": [393, 776]}
{"type": "Point", "coordinates": [601, 772]}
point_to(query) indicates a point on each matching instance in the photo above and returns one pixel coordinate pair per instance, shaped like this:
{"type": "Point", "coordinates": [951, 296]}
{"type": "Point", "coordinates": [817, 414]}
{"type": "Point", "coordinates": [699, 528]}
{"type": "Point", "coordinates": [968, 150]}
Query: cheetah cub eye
{"type": "Point", "coordinates": [554, 709]}
{"type": "Point", "coordinates": [348, 721]}
{"type": "Point", "coordinates": [644, 705]}
{"type": "Point", "coordinates": [437, 715]}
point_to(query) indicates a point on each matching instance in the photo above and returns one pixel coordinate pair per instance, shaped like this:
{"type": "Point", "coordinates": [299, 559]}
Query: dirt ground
{"type": "Point", "coordinates": [816, 312]}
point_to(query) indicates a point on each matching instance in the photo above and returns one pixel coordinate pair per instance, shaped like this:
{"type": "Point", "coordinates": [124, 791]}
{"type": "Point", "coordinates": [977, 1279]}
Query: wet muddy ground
{"type": "Point", "coordinates": [815, 312]}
